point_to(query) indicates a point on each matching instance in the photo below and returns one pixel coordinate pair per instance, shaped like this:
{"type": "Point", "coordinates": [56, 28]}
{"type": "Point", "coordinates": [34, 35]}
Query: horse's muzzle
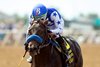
{"type": "Point", "coordinates": [34, 49]}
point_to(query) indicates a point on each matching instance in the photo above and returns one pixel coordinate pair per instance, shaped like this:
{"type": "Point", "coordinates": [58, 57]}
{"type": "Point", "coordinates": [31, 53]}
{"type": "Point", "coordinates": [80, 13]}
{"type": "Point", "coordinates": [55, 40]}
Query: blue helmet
{"type": "Point", "coordinates": [38, 12]}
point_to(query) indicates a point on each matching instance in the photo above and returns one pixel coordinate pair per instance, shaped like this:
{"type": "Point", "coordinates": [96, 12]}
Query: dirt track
{"type": "Point", "coordinates": [11, 56]}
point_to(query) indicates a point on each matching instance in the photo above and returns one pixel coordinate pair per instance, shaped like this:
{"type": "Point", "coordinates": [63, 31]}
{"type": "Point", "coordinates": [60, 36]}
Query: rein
{"type": "Point", "coordinates": [44, 45]}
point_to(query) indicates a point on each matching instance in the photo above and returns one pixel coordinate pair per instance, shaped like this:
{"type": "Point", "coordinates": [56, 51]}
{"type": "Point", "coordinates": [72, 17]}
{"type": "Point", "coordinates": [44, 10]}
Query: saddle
{"type": "Point", "coordinates": [68, 57]}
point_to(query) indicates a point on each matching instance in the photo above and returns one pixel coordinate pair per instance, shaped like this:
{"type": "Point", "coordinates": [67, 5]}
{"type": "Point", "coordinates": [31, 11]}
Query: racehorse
{"type": "Point", "coordinates": [43, 48]}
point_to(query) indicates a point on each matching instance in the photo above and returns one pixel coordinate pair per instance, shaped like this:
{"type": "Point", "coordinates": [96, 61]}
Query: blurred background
{"type": "Point", "coordinates": [82, 22]}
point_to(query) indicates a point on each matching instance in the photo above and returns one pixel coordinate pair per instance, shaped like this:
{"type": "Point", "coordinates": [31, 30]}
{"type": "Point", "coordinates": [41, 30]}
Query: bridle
{"type": "Point", "coordinates": [46, 39]}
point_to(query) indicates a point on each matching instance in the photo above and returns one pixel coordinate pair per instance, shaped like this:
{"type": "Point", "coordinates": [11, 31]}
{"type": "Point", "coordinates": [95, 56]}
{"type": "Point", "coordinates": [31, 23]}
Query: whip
{"type": "Point", "coordinates": [22, 58]}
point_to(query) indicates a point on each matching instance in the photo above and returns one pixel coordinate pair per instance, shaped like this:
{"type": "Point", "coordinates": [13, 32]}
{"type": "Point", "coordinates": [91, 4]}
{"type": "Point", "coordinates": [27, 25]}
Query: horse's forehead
{"type": "Point", "coordinates": [37, 25]}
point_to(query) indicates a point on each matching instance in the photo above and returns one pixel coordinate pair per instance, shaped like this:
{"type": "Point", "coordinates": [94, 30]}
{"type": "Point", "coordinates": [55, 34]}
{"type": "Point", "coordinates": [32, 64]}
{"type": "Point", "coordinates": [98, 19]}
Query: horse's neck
{"type": "Point", "coordinates": [48, 57]}
{"type": "Point", "coordinates": [44, 57]}
{"type": "Point", "coordinates": [45, 52]}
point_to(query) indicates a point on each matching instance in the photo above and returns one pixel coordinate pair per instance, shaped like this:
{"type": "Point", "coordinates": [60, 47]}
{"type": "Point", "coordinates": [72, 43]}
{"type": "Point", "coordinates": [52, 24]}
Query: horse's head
{"type": "Point", "coordinates": [38, 31]}
{"type": "Point", "coordinates": [38, 27]}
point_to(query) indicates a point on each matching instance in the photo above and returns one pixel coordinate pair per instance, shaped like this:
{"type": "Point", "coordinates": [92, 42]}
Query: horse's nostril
{"type": "Point", "coordinates": [30, 49]}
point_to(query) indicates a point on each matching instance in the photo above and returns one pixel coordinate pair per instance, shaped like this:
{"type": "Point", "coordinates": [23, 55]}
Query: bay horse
{"type": "Point", "coordinates": [44, 52]}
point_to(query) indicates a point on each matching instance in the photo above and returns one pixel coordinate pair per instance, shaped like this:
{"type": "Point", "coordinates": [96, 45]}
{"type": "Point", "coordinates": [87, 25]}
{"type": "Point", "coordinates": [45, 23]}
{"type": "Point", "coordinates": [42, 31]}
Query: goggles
{"type": "Point", "coordinates": [38, 17]}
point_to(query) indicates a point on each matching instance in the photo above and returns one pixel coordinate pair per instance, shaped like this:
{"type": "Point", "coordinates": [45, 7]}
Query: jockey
{"type": "Point", "coordinates": [55, 22]}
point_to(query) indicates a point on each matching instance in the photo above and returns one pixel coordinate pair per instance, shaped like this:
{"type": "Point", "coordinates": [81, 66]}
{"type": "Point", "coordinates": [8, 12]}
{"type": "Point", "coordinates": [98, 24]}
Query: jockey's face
{"type": "Point", "coordinates": [36, 18]}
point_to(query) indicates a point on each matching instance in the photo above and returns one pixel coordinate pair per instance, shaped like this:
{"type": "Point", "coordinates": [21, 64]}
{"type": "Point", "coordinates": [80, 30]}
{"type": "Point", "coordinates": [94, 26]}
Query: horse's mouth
{"type": "Point", "coordinates": [34, 49]}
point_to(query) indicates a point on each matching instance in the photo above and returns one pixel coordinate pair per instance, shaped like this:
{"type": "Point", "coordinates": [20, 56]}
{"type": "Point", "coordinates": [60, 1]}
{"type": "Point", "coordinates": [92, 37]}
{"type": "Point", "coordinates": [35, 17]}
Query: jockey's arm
{"type": "Point", "coordinates": [58, 30]}
{"type": "Point", "coordinates": [59, 24]}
